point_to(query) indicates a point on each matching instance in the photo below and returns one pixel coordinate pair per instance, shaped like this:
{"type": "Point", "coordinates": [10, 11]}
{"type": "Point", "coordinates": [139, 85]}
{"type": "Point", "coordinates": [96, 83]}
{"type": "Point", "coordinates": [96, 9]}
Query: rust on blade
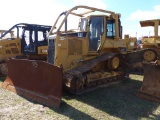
{"type": "Point", "coordinates": [35, 80]}
{"type": "Point", "coordinates": [150, 88]}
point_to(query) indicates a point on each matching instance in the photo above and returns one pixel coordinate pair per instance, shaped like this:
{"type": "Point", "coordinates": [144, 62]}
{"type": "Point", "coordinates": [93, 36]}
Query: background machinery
{"type": "Point", "coordinates": [148, 42]}
{"type": "Point", "coordinates": [81, 57]}
{"type": "Point", "coordinates": [151, 41]}
{"type": "Point", "coordinates": [151, 82]}
{"type": "Point", "coordinates": [23, 41]}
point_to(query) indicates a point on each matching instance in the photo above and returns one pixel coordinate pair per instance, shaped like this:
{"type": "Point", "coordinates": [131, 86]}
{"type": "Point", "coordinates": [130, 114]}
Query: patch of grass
{"type": "Point", "coordinates": [118, 100]}
{"type": "Point", "coordinates": [115, 102]}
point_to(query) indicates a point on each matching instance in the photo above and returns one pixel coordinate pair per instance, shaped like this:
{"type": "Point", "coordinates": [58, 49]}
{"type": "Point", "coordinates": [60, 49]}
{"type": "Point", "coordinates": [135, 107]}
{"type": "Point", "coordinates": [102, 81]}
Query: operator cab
{"type": "Point", "coordinates": [31, 36]}
{"type": "Point", "coordinates": [34, 36]}
{"type": "Point", "coordinates": [95, 27]}
{"type": "Point", "coordinates": [93, 30]}
{"type": "Point", "coordinates": [98, 28]}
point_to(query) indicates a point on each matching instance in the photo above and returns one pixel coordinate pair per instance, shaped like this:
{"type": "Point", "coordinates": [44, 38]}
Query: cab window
{"type": "Point", "coordinates": [110, 29]}
{"type": "Point", "coordinates": [96, 30]}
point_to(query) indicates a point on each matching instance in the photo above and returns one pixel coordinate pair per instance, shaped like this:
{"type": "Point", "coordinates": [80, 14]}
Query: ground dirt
{"type": "Point", "coordinates": [116, 102]}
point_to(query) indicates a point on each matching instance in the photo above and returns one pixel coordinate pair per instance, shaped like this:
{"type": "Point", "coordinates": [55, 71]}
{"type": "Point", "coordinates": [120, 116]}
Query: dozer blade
{"type": "Point", "coordinates": [35, 80]}
{"type": "Point", "coordinates": [150, 88]}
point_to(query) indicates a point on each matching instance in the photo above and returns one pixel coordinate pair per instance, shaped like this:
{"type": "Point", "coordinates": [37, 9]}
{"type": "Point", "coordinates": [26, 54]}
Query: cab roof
{"type": "Point", "coordinates": [146, 23]}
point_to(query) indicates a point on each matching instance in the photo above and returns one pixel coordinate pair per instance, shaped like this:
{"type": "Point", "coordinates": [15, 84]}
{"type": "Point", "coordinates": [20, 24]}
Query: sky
{"type": "Point", "coordinates": [46, 11]}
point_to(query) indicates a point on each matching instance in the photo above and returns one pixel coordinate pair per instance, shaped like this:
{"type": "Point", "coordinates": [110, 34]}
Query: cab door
{"type": "Point", "coordinates": [96, 31]}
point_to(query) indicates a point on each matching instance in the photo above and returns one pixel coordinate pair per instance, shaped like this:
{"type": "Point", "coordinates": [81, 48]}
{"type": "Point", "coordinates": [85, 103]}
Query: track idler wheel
{"type": "Point", "coordinates": [149, 55]}
{"type": "Point", "coordinates": [113, 63]}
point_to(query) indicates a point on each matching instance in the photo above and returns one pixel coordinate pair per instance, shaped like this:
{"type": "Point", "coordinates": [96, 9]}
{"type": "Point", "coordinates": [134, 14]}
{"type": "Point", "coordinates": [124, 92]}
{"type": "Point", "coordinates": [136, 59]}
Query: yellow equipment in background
{"type": "Point", "coordinates": [23, 41]}
{"type": "Point", "coordinates": [151, 41]}
{"type": "Point", "coordinates": [151, 82]}
{"type": "Point", "coordinates": [81, 57]}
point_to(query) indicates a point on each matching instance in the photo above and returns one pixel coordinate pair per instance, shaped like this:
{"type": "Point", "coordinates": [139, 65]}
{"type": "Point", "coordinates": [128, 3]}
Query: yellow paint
{"type": "Point", "coordinates": [10, 46]}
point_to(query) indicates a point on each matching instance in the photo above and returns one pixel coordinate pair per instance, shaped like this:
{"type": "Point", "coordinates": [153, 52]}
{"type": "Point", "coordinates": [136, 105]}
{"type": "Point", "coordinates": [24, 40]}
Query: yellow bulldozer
{"type": "Point", "coordinates": [151, 81]}
{"type": "Point", "coordinates": [151, 41]}
{"type": "Point", "coordinates": [23, 41]}
{"type": "Point", "coordinates": [81, 57]}
{"type": "Point", "coordinates": [148, 42]}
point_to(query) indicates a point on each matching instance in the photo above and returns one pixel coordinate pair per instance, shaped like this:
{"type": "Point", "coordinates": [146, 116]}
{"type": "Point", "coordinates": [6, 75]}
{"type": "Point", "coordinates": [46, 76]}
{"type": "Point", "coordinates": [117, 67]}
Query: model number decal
{"type": "Point", "coordinates": [62, 38]}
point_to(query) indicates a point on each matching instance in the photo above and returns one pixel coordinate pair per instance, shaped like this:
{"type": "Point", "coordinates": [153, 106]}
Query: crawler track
{"type": "Point", "coordinates": [72, 76]}
{"type": "Point", "coordinates": [76, 78]}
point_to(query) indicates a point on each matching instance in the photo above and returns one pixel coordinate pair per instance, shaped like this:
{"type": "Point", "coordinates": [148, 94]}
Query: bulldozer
{"type": "Point", "coordinates": [151, 41]}
{"type": "Point", "coordinates": [81, 57]}
{"type": "Point", "coordinates": [29, 41]}
{"type": "Point", "coordinates": [151, 83]}
{"type": "Point", "coordinates": [148, 42]}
